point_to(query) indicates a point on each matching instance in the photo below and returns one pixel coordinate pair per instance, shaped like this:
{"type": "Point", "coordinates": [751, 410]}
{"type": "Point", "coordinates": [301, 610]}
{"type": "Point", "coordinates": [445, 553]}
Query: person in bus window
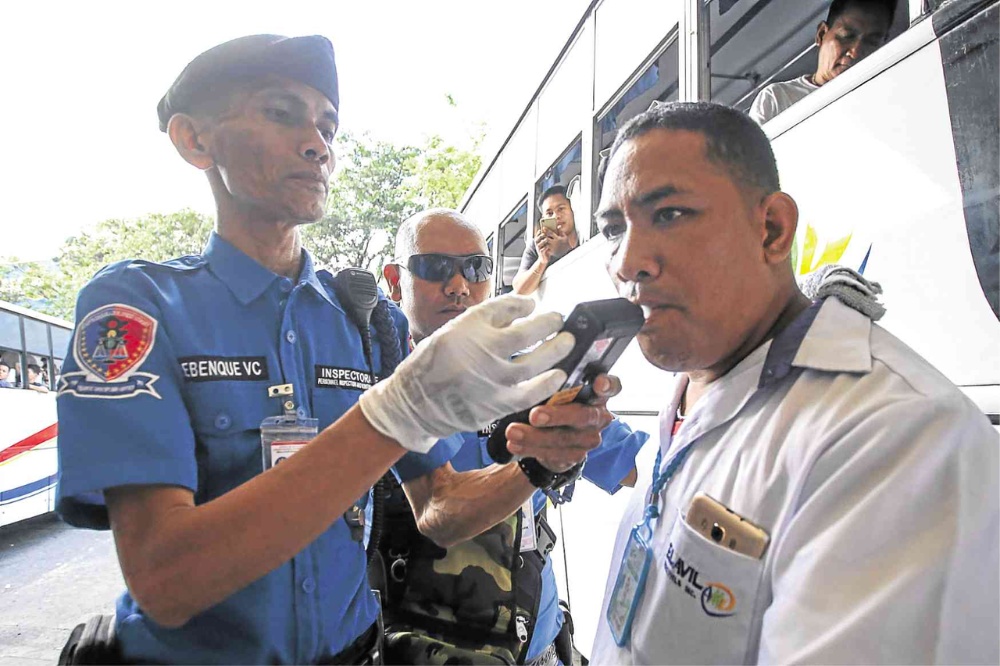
{"type": "Point", "coordinates": [165, 406]}
{"type": "Point", "coordinates": [853, 30]}
{"type": "Point", "coordinates": [5, 375]}
{"type": "Point", "coordinates": [549, 244]}
{"type": "Point", "coordinates": [821, 493]}
{"type": "Point", "coordinates": [36, 380]}
{"type": "Point", "coordinates": [441, 269]}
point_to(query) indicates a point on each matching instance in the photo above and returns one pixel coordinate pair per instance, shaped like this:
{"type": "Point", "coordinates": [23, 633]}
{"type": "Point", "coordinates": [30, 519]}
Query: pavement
{"type": "Point", "coordinates": [52, 577]}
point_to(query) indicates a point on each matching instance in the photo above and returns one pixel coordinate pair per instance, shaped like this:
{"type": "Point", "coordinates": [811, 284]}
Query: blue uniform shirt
{"type": "Point", "coordinates": [166, 383]}
{"type": "Point", "coordinates": [606, 466]}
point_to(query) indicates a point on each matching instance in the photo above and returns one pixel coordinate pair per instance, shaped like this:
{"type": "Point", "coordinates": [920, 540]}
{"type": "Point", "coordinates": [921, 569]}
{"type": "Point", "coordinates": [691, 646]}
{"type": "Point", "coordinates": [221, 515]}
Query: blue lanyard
{"type": "Point", "coordinates": [660, 480]}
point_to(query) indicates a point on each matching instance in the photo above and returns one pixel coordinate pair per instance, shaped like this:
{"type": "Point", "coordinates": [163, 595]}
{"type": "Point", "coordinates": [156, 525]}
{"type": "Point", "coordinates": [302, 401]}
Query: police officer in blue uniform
{"type": "Point", "coordinates": [186, 380]}
{"type": "Point", "coordinates": [441, 269]}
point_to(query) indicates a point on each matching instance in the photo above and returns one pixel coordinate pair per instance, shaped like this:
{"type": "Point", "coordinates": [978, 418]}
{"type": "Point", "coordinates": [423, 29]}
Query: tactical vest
{"type": "Point", "coordinates": [474, 603]}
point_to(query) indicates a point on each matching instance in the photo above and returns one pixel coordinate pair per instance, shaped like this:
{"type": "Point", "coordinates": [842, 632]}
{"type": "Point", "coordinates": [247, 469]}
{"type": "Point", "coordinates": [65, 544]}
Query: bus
{"type": "Point", "coordinates": [32, 348]}
{"type": "Point", "coordinates": [894, 165]}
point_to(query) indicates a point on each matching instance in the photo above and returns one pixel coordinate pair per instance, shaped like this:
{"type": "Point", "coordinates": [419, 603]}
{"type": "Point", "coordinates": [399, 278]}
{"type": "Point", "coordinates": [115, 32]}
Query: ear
{"type": "Point", "coordinates": [781, 218]}
{"type": "Point", "coordinates": [821, 31]}
{"type": "Point", "coordinates": [187, 135]}
{"type": "Point", "coordinates": [391, 274]}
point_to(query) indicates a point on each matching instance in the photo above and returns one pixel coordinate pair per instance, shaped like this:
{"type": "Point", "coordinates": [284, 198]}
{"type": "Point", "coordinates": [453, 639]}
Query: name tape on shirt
{"type": "Point", "coordinates": [224, 368]}
{"type": "Point", "coordinates": [488, 430]}
{"type": "Point", "coordinates": [328, 376]}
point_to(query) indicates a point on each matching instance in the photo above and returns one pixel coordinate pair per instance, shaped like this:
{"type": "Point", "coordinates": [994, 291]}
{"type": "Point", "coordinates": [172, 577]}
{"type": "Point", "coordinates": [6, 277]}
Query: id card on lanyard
{"type": "Point", "coordinates": [638, 553]}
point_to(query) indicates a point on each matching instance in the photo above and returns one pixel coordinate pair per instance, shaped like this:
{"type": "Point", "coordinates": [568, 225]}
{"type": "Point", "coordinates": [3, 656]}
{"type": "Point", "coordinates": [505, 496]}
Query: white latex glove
{"type": "Point", "coordinates": [462, 377]}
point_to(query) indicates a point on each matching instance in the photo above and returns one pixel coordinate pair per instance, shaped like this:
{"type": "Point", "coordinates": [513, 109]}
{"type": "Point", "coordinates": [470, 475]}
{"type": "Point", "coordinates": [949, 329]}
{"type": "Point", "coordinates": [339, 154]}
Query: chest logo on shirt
{"type": "Point", "coordinates": [717, 600]}
{"type": "Point", "coordinates": [328, 376]}
{"type": "Point", "coordinates": [224, 368]}
{"type": "Point", "coordinates": [110, 344]}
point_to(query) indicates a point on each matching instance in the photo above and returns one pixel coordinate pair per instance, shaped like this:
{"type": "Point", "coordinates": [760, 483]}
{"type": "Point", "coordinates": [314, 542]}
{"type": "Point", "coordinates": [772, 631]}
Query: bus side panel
{"type": "Point", "coordinates": [28, 459]}
{"type": "Point", "coordinates": [589, 525]}
{"type": "Point", "coordinates": [875, 177]}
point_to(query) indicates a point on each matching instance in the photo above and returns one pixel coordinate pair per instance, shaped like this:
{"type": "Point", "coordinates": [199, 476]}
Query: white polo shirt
{"type": "Point", "coordinates": [777, 97]}
{"type": "Point", "coordinates": [877, 481]}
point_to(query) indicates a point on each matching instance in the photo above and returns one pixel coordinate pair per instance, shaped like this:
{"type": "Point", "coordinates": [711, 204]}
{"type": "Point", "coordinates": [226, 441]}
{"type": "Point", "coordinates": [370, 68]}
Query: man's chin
{"type": "Point", "coordinates": [662, 353]}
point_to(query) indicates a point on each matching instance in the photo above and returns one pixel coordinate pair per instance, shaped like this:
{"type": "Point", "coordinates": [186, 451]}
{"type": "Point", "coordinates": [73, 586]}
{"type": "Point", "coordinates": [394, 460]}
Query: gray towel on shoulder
{"type": "Point", "coordinates": [848, 285]}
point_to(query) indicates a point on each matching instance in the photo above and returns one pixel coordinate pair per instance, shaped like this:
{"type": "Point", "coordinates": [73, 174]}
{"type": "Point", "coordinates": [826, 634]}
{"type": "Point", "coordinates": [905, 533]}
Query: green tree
{"type": "Point", "coordinates": [377, 186]}
{"type": "Point", "coordinates": [444, 172]}
{"type": "Point", "coordinates": [155, 237]}
{"type": "Point", "coordinates": [373, 191]}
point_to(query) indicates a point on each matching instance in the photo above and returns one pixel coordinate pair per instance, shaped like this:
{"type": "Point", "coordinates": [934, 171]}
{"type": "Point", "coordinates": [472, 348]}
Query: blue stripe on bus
{"type": "Point", "coordinates": [34, 487]}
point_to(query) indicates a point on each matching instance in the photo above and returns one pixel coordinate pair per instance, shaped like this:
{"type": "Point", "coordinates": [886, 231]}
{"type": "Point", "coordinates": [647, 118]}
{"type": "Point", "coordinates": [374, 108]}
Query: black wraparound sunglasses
{"type": "Point", "coordinates": [440, 267]}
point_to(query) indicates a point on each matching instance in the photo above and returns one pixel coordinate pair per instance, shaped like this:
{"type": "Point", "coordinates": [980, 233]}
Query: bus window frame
{"type": "Point", "coordinates": [535, 214]}
{"type": "Point", "coordinates": [672, 37]}
{"type": "Point", "coordinates": [502, 243]}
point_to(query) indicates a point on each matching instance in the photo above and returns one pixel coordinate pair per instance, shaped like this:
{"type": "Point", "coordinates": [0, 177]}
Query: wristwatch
{"type": "Point", "coordinates": [541, 477]}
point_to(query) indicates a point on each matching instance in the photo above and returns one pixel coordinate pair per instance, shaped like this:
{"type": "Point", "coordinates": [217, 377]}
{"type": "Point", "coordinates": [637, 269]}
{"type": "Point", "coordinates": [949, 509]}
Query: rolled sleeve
{"type": "Point", "coordinates": [611, 462]}
{"type": "Point", "coordinates": [143, 437]}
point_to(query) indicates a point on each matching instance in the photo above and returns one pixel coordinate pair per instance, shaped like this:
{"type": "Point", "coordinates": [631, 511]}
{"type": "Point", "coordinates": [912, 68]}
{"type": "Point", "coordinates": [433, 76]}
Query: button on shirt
{"type": "Point", "coordinates": [877, 481]}
{"type": "Point", "coordinates": [606, 466]}
{"type": "Point", "coordinates": [166, 383]}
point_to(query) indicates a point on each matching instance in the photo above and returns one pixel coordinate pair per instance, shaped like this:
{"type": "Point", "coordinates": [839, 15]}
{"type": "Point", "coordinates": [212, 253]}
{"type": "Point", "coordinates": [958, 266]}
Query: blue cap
{"type": "Point", "coordinates": [308, 60]}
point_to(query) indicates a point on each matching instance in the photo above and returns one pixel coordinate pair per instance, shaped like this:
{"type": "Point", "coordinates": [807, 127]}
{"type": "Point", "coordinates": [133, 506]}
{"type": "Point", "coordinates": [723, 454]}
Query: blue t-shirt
{"type": "Point", "coordinates": [165, 382]}
{"type": "Point", "coordinates": [606, 466]}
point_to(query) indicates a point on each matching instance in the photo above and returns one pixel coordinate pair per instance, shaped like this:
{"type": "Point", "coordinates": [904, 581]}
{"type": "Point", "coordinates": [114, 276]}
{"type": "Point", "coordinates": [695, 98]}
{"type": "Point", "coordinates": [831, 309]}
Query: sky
{"type": "Point", "coordinates": [78, 129]}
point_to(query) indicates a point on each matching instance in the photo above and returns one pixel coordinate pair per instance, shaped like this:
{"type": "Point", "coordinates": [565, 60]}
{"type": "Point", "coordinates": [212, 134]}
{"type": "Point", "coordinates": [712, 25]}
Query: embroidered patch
{"type": "Point", "coordinates": [109, 345]}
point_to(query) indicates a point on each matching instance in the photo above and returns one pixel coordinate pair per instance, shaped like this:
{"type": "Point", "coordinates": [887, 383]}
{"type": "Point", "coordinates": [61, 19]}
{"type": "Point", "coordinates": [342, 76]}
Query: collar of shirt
{"type": "Point", "coordinates": [246, 278]}
{"type": "Point", "coordinates": [828, 336]}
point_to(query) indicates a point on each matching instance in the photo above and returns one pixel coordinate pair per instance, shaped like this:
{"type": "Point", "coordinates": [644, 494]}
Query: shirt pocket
{"type": "Point", "coordinates": [702, 606]}
{"type": "Point", "coordinates": [226, 422]}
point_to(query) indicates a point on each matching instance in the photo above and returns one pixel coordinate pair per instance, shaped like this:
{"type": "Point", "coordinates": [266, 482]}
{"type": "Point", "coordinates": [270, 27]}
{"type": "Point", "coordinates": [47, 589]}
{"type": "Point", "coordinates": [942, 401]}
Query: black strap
{"type": "Point", "coordinates": [360, 651]}
{"type": "Point", "coordinates": [93, 642]}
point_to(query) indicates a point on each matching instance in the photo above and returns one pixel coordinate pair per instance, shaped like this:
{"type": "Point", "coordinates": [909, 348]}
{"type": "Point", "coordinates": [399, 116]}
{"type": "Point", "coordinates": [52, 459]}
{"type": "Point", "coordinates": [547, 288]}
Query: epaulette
{"type": "Point", "coordinates": [187, 263]}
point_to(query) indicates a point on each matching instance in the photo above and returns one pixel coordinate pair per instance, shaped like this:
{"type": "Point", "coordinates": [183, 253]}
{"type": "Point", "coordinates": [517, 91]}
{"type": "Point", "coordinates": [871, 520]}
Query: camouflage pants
{"type": "Point", "coordinates": [546, 658]}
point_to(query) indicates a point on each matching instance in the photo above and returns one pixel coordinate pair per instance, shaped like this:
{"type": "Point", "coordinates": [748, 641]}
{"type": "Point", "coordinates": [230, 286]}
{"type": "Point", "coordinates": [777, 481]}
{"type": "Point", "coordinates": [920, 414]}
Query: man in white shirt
{"type": "Point", "coordinates": [853, 30]}
{"type": "Point", "coordinates": [875, 479]}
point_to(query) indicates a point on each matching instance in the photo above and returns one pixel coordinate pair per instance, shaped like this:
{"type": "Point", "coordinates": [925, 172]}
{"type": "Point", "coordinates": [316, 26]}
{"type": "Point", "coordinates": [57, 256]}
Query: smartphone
{"type": "Point", "coordinates": [549, 223]}
{"type": "Point", "coordinates": [718, 523]}
{"type": "Point", "coordinates": [602, 329]}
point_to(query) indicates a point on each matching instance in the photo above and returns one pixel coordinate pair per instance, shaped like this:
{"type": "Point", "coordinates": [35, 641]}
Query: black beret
{"type": "Point", "coordinates": [308, 60]}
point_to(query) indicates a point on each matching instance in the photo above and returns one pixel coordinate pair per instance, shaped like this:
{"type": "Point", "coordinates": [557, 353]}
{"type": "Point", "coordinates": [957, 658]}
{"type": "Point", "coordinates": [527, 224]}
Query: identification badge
{"type": "Point", "coordinates": [283, 436]}
{"type": "Point", "coordinates": [528, 542]}
{"type": "Point", "coordinates": [630, 584]}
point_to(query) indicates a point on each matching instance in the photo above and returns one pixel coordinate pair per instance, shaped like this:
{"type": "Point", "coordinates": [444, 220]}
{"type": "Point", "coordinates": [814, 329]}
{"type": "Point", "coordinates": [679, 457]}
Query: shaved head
{"type": "Point", "coordinates": [406, 236]}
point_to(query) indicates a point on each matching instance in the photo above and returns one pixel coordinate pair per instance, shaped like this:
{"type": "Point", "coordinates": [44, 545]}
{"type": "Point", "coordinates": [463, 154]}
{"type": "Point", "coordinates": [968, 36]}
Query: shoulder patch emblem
{"type": "Point", "coordinates": [109, 345]}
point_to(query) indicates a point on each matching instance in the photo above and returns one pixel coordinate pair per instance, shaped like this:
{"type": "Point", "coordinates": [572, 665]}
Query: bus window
{"type": "Point", "coordinates": [36, 374]}
{"type": "Point", "coordinates": [764, 55]}
{"type": "Point", "coordinates": [656, 83]}
{"type": "Point", "coordinates": [60, 340]}
{"type": "Point", "coordinates": [566, 171]}
{"type": "Point", "coordinates": [10, 330]}
{"type": "Point", "coordinates": [512, 243]}
{"type": "Point", "coordinates": [10, 365]}
{"type": "Point", "coordinates": [36, 337]}
{"type": "Point", "coordinates": [57, 364]}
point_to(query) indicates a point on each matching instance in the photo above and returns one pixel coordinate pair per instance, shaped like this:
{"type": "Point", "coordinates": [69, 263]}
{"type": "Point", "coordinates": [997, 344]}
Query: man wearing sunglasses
{"type": "Point", "coordinates": [442, 268]}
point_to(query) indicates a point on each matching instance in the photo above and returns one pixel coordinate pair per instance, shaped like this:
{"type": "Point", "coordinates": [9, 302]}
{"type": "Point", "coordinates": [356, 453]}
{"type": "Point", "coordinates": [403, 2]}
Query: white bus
{"type": "Point", "coordinates": [32, 346]}
{"type": "Point", "coordinates": [894, 165]}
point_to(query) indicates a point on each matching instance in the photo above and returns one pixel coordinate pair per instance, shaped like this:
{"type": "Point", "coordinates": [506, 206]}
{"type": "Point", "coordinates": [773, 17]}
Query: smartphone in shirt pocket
{"type": "Point", "coordinates": [718, 523]}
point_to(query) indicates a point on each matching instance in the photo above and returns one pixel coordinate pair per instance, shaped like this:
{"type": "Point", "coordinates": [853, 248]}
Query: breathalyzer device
{"type": "Point", "coordinates": [602, 329]}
